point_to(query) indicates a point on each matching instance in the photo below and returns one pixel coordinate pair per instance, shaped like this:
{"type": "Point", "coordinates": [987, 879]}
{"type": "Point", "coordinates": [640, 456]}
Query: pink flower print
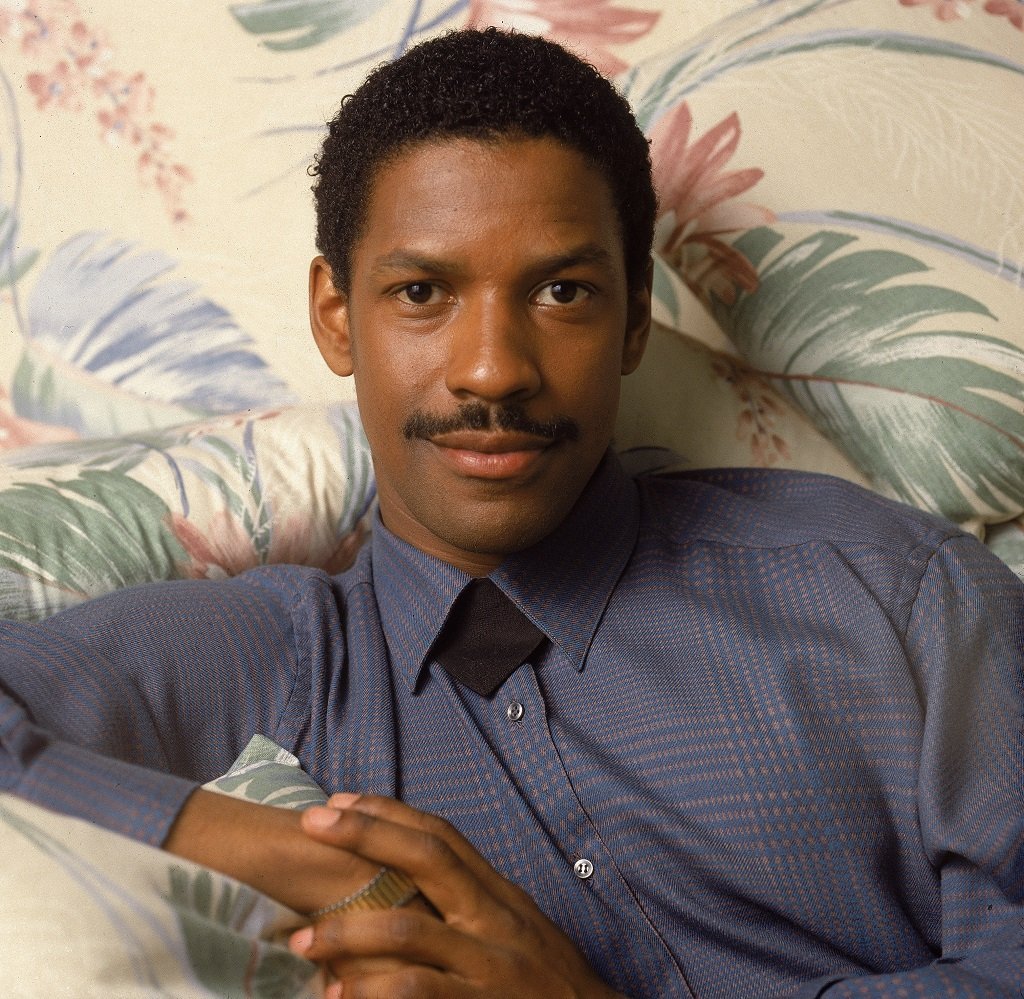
{"type": "Point", "coordinates": [10, 22]}
{"type": "Point", "coordinates": [73, 58]}
{"type": "Point", "coordinates": [760, 410]}
{"type": "Point", "coordinates": [54, 11]}
{"type": "Point", "coordinates": [1012, 10]}
{"type": "Point", "coordinates": [16, 431]}
{"type": "Point", "coordinates": [117, 127]}
{"type": "Point", "coordinates": [227, 549]}
{"type": "Point", "coordinates": [945, 10]}
{"type": "Point", "coordinates": [713, 267]}
{"type": "Point", "coordinates": [227, 552]}
{"type": "Point", "coordinates": [700, 197]}
{"type": "Point", "coordinates": [587, 26]}
{"type": "Point", "coordinates": [129, 98]}
{"type": "Point", "coordinates": [88, 48]}
{"type": "Point", "coordinates": [59, 87]}
{"type": "Point", "coordinates": [157, 170]}
{"type": "Point", "coordinates": [44, 27]}
{"type": "Point", "coordinates": [39, 40]}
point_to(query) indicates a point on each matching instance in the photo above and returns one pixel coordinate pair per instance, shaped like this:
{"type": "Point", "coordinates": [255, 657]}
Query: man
{"type": "Point", "coordinates": [765, 735]}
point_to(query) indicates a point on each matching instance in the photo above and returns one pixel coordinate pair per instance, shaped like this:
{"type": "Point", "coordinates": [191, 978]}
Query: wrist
{"type": "Point", "coordinates": [387, 889]}
{"type": "Point", "coordinates": [265, 848]}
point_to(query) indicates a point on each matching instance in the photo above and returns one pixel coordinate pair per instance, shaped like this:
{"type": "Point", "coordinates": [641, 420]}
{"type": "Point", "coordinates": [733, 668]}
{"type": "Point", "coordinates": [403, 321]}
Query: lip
{"type": "Point", "coordinates": [489, 455]}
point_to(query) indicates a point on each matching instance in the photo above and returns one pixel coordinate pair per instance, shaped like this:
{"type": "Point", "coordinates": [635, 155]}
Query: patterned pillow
{"type": "Point", "coordinates": [114, 917]}
{"type": "Point", "coordinates": [841, 189]}
{"type": "Point", "coordinates": [267, 774]}
{"type": "Point", "coordinates": [202, 500]}
{"type": "Point", "coordinates": [1007, 541]}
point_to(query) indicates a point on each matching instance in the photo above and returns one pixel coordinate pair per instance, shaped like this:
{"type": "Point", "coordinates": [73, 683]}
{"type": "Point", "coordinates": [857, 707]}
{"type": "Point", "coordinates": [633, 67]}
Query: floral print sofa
{"type": "Point", "coordinates": [839, 265]}
{"type": "Point", "coordinates": [839, 288]}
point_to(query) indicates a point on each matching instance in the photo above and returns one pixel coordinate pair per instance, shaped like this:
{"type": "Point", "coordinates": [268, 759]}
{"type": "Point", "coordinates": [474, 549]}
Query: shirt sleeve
{"type": "Point", "coordinates": [966, 639]}
{"type": "Point", "coordinates": [114, 711]}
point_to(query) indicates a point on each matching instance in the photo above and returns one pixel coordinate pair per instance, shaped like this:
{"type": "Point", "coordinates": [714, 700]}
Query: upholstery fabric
{"type": "Point", "coordinates": [138, 923]}
{"type": "Point", "coordinates": [196, 501]}
{"type": "Point", "coordinates": [838, 262]}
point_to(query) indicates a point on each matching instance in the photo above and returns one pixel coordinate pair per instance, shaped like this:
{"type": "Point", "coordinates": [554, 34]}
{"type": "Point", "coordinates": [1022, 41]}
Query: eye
{"type": "Point", "coordinates": [420, 293]}
{"type": "Point", "coordinates": [562, 293]}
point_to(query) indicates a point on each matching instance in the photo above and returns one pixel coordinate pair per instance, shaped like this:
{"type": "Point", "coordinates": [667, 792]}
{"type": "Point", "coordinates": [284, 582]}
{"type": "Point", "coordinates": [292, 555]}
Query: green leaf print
{"type": "Point", "coordinates": [1007, 541]}
{"type": "Point", "coordinates": [267, 774]}
{"type": "Point", "coordinates": [210, 914]}
{"type": "Point", "coordinates": [668, 296]}
{"type": "Point", "coordinates": [112, 532]}
{"type": "Point", "coordinates": [300, 24]}
{"type": "Point", "coordinates": [14, 262]}
{"type": "Point", "coordinates": [877, 360]}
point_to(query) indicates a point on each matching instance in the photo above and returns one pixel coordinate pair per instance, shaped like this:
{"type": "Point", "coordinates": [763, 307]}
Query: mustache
{"type": "Point", "coordinates": [477, 416]}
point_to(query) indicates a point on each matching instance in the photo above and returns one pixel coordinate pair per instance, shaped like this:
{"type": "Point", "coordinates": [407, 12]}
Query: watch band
{"type": "Point", "coordinates": [388, 889]}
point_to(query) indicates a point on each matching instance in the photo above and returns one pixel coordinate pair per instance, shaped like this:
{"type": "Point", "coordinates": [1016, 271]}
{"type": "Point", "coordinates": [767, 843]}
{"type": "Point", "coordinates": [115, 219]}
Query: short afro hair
{"type": "Point", "coordinates": [485, 85]}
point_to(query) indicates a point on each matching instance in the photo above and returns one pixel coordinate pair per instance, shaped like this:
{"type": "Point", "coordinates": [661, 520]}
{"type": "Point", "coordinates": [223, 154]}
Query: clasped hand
{"type": "Point", "coordinates": [472, 933]}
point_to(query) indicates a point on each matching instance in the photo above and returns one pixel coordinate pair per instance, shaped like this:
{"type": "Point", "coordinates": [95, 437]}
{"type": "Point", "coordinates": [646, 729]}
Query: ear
{"type": "Point", "coordinates": [638, 322]}
{"type": "Point", "coordinates": [329, 319]}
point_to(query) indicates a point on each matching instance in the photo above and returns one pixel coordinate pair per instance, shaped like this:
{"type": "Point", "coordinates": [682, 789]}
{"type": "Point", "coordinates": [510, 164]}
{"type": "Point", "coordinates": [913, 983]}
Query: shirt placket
{"type": "Point", "coordinates": [515, 721]}
{"type": "Point", "coordinates": [519, 732]}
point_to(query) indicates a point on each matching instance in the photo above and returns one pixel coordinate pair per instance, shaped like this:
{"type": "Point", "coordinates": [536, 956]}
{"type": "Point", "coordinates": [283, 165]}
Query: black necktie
{"type": "Point", "coordinates": [485, 638]}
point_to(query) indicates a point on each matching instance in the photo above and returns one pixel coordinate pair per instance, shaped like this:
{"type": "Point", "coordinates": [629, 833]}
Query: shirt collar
{"type": "Point", "coordinates": [562, 583]}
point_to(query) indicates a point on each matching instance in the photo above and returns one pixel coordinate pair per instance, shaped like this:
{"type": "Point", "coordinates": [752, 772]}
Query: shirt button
{"type": "Point", "coordinates": [515, 711]}
{"type": "Point", "coordinates": [583, 868]}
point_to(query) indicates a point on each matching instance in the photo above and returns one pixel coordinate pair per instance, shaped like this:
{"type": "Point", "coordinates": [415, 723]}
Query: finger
{"type": "Point", "coordinates": [405, 815]}
{"type": "Point", "coordinates": [454, 878]}
{"type": "Point", "coordinates": [408, 983]}
{"type": "Point", "coordinates": [363, 966]}
{"type": "Point", "coordinates": [348, 943]}
{"type": "Point", "coordinates": [482, 941]}
{"type": "Point", "coordinates": [397, 812]}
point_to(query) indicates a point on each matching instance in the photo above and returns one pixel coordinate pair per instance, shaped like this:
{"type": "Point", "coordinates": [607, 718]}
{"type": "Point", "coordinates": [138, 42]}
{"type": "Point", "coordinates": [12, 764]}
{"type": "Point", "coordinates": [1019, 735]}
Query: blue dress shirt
{"type": "Point", "coordinates": [773, 747]}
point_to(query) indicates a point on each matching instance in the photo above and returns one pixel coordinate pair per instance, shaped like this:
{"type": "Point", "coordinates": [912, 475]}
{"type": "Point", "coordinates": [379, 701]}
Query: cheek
{"type": "Point", "coordinates": [588, 381]}
{"type": "Point", "coordinates": [397, 364]}
{"type": "Point", "coordinates": [390, 386]}
{"type": "Point", "coordinates": [378, 399]}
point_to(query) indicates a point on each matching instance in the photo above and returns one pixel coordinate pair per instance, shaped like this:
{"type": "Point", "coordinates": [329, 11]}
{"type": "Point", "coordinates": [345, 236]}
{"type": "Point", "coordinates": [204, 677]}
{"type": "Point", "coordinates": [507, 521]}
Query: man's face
{"type": "Point", "coordinates": [487, 325]}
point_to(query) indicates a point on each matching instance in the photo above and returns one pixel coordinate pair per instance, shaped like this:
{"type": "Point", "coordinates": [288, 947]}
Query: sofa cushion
{"type": "Point", "coordinates": [201, 500]}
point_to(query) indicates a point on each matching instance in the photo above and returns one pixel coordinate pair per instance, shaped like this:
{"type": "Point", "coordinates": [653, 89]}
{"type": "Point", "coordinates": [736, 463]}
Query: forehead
{"type": "Point", "coordinates": [503, 198]}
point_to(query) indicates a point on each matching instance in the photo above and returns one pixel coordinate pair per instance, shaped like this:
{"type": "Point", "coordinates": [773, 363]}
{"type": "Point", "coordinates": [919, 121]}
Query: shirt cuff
{"type": "Point", "coordinates": [119, 796]}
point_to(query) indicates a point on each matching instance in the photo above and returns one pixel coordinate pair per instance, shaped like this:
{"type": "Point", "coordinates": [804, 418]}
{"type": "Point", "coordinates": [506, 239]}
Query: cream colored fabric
{"type": "Point", "coordinates": [839, 256]}
{"type": "Point", "coordinates": [89, 914]}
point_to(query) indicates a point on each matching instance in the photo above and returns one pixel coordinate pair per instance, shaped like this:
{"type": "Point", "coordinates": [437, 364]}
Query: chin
{"type": "Point", "coordinates": [502, 536]}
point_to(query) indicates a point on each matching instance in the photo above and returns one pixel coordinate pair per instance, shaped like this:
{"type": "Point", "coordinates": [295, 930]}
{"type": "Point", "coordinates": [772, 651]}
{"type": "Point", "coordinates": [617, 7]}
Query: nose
{"type": "Point", "coordinates": [492, 353]}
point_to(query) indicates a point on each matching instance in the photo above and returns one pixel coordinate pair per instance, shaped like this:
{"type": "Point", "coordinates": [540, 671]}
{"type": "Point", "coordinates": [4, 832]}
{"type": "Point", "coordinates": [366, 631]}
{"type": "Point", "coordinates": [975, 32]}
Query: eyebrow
{"type": "Point", "coordinates": [402, 260]}
{"type": "Point", "coordinates": [405, 260]}
{"type": "Point", "coordinates": [589, 253]}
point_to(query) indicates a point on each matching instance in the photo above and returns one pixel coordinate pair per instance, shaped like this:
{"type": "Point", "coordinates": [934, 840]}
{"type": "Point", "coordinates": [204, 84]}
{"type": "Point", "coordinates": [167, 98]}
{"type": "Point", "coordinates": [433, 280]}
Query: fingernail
{"type": "Point", "coordinates": [334, 991]}
{"type": "Point", "coordinates": [343, 799]}
{"type": "Point", "coordinates": [301, 940]}
{"type": "Point", "coordinates": [321, 818]}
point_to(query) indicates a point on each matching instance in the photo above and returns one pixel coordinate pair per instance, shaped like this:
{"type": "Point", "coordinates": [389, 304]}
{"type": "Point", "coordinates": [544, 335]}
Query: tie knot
{"type": "Point", "coordinates": [485, 638]}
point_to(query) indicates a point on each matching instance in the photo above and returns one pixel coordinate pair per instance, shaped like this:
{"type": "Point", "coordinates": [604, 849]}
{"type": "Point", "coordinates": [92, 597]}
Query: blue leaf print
{"type": "Point", "coordinates": [113, 344]}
